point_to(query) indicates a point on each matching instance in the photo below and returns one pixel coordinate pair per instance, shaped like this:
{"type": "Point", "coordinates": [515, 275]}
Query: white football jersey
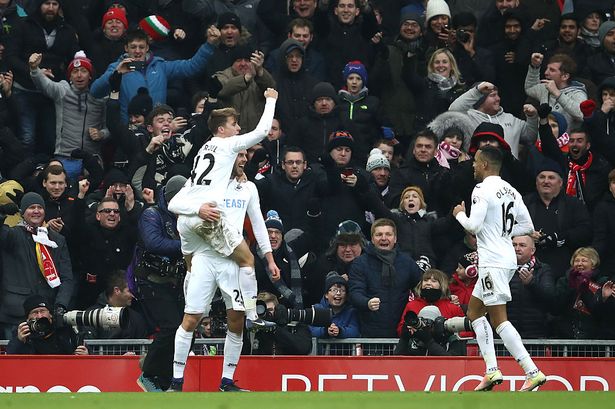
{"type": "Point", "coordinates": [239, 199]}
{"type": "Point", "coordinates": [213, 165]}
{"type": "Point", "coordinates": [498, 214]}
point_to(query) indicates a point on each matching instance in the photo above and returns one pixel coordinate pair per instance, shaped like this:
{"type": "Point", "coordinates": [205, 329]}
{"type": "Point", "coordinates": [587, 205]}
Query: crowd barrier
{"type": "Point", "coordinates": [571, 365]}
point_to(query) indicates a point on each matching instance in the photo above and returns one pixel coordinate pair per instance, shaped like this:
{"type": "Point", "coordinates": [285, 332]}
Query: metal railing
{"type": "Point", "coordinates": [363, 346]}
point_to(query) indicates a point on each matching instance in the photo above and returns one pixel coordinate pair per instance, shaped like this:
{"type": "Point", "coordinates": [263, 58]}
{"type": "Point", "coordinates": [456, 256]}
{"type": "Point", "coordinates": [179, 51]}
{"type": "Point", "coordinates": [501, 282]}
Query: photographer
{"type": "Point", "coordinates": [418, 334]}
{"type": "Point", "coordinates": [39, 334]}
{"type": "Point", "coordinates": [475, 63]}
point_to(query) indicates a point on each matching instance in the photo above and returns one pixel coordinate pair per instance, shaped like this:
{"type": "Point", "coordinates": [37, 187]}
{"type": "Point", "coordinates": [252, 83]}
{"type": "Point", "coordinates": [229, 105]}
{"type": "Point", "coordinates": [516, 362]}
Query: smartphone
{"type": "Point", "coordinates": [136, 65]}
{"type": "Point", "coordinates": [347, 171]}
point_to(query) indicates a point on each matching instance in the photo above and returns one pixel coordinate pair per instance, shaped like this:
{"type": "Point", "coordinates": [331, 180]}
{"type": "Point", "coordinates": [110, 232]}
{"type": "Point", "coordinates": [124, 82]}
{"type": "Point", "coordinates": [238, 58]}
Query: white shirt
{"type": "Point", "coordinates": [213, 166]}
{"type": "Point", "coordinates": [239, 199]}
{"type": "Point", "coordinates": [498, 213]}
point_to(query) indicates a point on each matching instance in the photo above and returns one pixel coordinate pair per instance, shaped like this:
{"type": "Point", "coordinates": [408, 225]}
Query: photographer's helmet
{"type": "Point", "coordinates": [35, 301]}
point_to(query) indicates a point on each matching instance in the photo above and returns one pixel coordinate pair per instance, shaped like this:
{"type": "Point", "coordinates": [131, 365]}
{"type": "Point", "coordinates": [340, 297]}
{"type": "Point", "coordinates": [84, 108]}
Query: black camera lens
{"type": "Point", "coordinates": [462, 36]}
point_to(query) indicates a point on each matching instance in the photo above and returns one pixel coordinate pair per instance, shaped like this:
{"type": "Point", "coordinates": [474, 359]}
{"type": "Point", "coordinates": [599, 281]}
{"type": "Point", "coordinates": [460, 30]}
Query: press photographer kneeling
{"type": "Point", "coordinates": [40, 335]}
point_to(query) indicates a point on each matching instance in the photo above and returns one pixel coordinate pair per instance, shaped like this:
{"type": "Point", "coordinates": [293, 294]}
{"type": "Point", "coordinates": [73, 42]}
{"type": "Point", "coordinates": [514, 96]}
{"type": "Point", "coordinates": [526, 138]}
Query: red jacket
{"type": "Point", "coordinates": [447, 309]}
{"type": "Point", "coordinates": [461, 289]}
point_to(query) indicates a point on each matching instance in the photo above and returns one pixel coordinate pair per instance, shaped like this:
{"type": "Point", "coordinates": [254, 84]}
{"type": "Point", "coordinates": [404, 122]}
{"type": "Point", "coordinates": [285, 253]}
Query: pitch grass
{"type": "Point", "coordinates": [317, 400]}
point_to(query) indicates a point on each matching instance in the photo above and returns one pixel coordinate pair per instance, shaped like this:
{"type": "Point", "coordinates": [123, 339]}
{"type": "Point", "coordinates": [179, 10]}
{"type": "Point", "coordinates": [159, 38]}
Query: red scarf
{"type": "Point", "coordinates": [573, 188]}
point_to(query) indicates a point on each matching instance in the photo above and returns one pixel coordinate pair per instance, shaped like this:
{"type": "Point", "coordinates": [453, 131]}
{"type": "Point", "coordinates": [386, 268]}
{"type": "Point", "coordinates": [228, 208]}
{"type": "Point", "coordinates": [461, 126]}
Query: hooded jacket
{"type": "Point", "coordinates": [515, 130]}
{"type": "Point", "coordinates": [566, 104]}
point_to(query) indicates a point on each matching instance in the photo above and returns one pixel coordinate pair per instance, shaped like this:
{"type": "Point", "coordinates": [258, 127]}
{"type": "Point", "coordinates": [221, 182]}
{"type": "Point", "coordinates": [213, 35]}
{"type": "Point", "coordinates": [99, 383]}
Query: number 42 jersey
{"type": "Point", "coordinates": [213, 166]}
{"type": "Point", "coordinates": [497, 214]}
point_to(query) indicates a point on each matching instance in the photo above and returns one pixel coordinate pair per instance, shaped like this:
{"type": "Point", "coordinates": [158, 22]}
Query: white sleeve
{"type": "Point", "coordinates": [474, 223]}
{"type": "Point", "coordinates": [523, 221]}
{"type": "Point", "coordinates": [245, 141]}
{"type": "Point", "coordinates": [257, 221]}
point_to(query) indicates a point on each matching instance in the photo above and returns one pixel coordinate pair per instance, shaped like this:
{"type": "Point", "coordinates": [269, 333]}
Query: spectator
{"type": "Point", "coordinates": [59, 202]}
{"type": "Point", "coordinates": [137, 50]}
{"type": "Point", "coordinates": [456, 251]}
{"type": "Point", "coordinates": [344, 321]}
{"type": "Point", "coordinates": [397, 100]}
{"type": "Point", "coordinates": [103, 245]}
{"type": "Point", "coordinates": [439, 89]}
{"type": "Point", "coordinates": [591, 19]}
{"type": "Point", "coordinates": [482, 103]}
{"type": "Point", "coordinates": [511, 55]}
{"type": "Point", "coordinates": [604, 227]}
{"type": "Point", "coordinates": [22, 275]}
{"type": "Point", "coordinates": [118, 295]}
{"type": "Point", "coordinates": [475, 62]}
{"type": "Point", "coordinates": [51, 339]}
{"type": "Point", "coordinates": [293, 82]}
{"type": "Point", "coordinates": [422, 169]}
{"type": "Point", "coordinates": [432, 291]}
{"type": "Point", "coordinates": [351, 36]}
{"type": "Point", "coordinates": [569, 42]}
{"type": "Point", "coordinates": [601, 124]}
{"type": "Point", "coordinates": [243, 84]}
{"type": "Point", "coordinates": [275, 144]}
{"type": "Point", "coordinates": [301, 30]}
{"type": "Point", "coordinates": [574, 292]}
{"type": "Point", "coordinates": [109, 39]}
{"type": "Point", "coordinates": [34, 35]}
{"type": "Point", "coordinates": [379, 169]}
{"type": "Point", "coordinates": [491, 23]}
{"type": "Point", "coordinates": [464, 279]}
{"type": "Point", "coordinates": [380, 281]}
{"type": "Point", "coordinates": [563, 220]}
{"type": "Point", "coordinates": [558, 89]}
{"type": "Point", "coordinates": [532, 289]}
{"type": "Point", "coordinates": [360, 108]}
{"type": "Point", "coordinates": [291, 191]}
{"type": "Point", "coordinates": [454, 131]}
{"type": "Point", "coordinates": [437, 24]}
{"type": "Point", "coordinates": [601, 64]}
{"type": "Point", "coordinates": [80, 118]}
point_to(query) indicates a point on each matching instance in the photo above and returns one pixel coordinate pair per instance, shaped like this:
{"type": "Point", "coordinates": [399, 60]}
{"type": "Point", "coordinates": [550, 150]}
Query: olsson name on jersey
{"type": "Point", "coordinates": [505, 191]}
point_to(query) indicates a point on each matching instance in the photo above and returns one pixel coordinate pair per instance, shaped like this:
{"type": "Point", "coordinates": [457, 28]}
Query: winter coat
{"type": "Point", "coordinates": [600, 66]}
{"type": "Point", "coordinates": [246, 98]}
{"type": "Point", "coordinates": [156, 75]}
{"type": "Point", "coordinates": [365, 282]}
{"type": "Point", "coordinates": [28, 37]}
{"type": "Point", "coordinates": [566, 104]}
{"type": "Point", "coordinates": [461, 290]}
{"type": "Point", "coordinates": [604, 232]}
{"type": "Point", "coordinates": [76, 112]}
{"type": "Point", "coordinates": [346, 320]}
{"type": "Point", "coordinates": [363, 111]}
{"type": "Point", "coordinates": [155, 227]}
{"type": "Point", "coordinates": [22, 276]}
{"type": "Point", "coordinates": [515, 130]}
{"type": "Point", "coordinates": [416, 304]}
{"type": "Point", "coordinates": [529, 308]}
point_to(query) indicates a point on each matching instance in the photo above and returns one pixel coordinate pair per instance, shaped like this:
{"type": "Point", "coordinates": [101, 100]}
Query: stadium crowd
{"type": "Point", "coordinates": [382, 106]}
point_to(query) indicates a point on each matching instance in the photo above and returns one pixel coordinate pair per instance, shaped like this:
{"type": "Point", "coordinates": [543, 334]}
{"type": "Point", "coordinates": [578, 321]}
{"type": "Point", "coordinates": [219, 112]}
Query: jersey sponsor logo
{"type": "Point", "coordinates": [235, 203]}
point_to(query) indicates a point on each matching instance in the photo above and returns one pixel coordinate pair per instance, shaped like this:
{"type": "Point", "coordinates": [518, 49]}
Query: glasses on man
{"type": "Point", "coordinates": [339, 291]}
{"type": "Point", "coordinates": [294, 162]}
{"type": "Point", "coordinates": [109, 211]}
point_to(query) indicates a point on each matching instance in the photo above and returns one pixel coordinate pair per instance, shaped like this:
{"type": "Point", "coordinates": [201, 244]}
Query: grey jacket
{"type": "Point", "coordinates": [76, 112]}
{"type": "Point", "coordinates": [566, 104]}
{"type": "Point", "coordinates": [515, 129]}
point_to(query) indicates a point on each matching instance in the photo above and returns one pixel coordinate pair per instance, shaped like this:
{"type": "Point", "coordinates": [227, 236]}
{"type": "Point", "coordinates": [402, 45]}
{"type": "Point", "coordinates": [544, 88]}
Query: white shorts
{"type": "Point", "coordinates": [222, 237]}
{"type": "Point", "coordinates": [492, 286]}
{"type": "Point", "coordinates": [209, 272]}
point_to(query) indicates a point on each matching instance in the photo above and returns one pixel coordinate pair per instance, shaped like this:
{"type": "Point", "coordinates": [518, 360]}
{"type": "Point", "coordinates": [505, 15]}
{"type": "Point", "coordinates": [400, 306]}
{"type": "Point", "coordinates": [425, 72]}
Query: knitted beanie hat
{"type": "Point", "coordinates": [156, 27]}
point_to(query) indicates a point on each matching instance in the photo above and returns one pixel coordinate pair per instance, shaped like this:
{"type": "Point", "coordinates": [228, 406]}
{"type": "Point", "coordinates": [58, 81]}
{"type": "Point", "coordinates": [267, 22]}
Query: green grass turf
{"type": "Point", "coordinates": [319, 400]}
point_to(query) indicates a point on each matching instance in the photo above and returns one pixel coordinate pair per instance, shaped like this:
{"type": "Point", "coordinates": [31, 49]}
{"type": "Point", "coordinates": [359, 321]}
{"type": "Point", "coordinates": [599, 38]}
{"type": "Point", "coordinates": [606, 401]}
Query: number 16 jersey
{"type": "Point", "coordinates": [213, 166]}
{"type": "Point", "coordinates": [497, 214]}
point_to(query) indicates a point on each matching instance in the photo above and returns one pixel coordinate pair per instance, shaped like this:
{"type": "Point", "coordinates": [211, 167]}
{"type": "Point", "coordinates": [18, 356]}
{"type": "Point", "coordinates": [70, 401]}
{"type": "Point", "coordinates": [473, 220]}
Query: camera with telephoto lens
{"type": "Point", "coordinates": [317, 317]}
{"type": "Point", "coordinates": [40, 327]}
{"type": "Point", "coordinates": [415, 322]}
{"type": "Point", "coordinates": [106, 318]}
{"type": "Point", "coordinates": [462, 36]}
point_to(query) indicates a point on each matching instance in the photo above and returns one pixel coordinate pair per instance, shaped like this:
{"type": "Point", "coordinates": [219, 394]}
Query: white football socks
{"type": "Point", "coordinates": [512, 342]}
{"type": "Point", "coordinates": [484, 338]}
{"type": "Point", "coordinates": [183, 339]}
{"type": "Point", "coordinates": [249, 291]}
{"type": "Point", "coordinates": [232, 350]}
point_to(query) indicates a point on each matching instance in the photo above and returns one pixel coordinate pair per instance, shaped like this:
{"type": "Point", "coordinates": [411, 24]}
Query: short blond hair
{"type": "Point", "coordinates": [588, 252]}
{"type": "Point", "coordinates": [218, 117]}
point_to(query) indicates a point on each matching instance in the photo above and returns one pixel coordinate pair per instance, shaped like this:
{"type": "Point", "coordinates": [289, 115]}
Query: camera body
{"type": "Point", "coordinates": [462, 36]}
{"type": "Point", "coordinates": [136, 65]}
{"type": "Point", "coordinates": [415, 322]}
{"type": "Point", "coordinates": [318, 317]}
{"type": "Point", "coordinates": [40, 327]}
